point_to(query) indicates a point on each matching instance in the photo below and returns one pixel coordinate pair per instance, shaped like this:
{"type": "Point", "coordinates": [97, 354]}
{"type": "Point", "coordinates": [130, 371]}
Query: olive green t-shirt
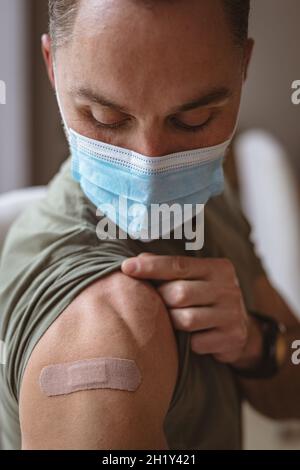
{"type": "Point", "coordinates": [52, 253]}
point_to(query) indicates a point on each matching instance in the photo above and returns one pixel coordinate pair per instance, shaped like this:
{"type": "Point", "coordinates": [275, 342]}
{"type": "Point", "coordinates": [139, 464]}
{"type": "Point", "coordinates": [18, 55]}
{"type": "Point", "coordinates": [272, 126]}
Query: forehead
{"type": "Point", "coordinates": [172, 49]}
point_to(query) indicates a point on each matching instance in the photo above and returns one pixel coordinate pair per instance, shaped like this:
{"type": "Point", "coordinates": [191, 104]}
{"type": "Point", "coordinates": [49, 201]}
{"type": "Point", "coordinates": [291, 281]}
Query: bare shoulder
{"type": "Point", "coordinates": [116, 316]}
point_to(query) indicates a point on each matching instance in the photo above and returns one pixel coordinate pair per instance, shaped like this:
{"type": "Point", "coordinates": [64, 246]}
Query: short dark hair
{"type": "Point", "coordinates": [62, 15]}
{"type": "Point", "coordinates": [238, 12]}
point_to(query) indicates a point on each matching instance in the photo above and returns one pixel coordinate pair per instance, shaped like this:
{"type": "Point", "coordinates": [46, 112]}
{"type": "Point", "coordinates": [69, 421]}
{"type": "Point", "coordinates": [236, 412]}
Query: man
{"type": "Point", "coordinates": [158, 78]}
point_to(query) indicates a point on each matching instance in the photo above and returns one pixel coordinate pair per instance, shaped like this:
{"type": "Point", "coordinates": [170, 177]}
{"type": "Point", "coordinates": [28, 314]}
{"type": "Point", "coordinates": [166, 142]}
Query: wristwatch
{"type": "Point", "coordinates": [274, 349]}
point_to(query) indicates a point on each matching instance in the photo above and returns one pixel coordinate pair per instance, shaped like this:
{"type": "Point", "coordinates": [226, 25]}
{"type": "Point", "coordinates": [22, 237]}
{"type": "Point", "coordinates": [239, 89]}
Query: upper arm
{"type": "Point", "coordinates": [115, 317]}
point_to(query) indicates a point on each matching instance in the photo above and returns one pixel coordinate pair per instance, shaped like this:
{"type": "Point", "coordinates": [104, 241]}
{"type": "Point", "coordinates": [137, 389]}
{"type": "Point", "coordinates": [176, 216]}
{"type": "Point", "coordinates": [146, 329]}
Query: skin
{"type": "Point", "coordinates": [107, 57]}
{"type": "Point", "coordinates": [180, 69]}
{"type": "Point", "coordinates": [203, 296]}
{"type": "Point", "coordinates": [190, 56]}
{"type": "Point", "coordinates": [137, 325]}
{"type": "Point", "coordinates": [204, 299]}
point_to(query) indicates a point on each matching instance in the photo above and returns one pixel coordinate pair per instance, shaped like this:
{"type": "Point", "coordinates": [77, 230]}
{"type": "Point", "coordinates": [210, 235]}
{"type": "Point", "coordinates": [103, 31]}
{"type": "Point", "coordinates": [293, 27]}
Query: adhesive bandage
{"type": "Point", "coordinates": [88, 374]}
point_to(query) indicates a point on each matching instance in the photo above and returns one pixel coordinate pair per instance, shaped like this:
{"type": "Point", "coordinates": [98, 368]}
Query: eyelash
{"type": "Point", "coordinates": [109, 127]}
{"type": "Point", "coordinates": [180, 126]}
{"type": "Point", "coordinates": [187, 128]}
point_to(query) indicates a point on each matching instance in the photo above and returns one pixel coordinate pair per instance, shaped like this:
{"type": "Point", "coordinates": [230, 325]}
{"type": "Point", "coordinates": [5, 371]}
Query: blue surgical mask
{"type": "Point", "coordinates": [107, 173]}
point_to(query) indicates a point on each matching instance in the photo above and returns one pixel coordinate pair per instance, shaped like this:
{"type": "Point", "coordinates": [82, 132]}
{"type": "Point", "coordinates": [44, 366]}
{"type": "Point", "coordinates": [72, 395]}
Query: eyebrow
{"type": "Point", "coordinates": [213, 97]}
{"type": "Point", "coordinates": [98, 99]}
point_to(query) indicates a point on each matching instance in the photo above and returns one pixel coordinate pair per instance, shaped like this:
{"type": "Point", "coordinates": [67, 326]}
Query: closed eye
{"type": "Point", "coordinates": [188, 128]}
{"type": "Point", "coordinates": [175, 122]}
{"type": "Point", "coordinates": [111, 126]}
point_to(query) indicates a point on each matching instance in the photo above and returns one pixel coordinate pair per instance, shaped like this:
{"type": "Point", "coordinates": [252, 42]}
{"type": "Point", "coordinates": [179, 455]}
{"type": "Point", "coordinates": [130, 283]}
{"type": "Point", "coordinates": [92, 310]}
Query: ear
{"type": "Point", "coordinates": [247, 56]}
{"type": "Point", "coordinates": [48, 57]}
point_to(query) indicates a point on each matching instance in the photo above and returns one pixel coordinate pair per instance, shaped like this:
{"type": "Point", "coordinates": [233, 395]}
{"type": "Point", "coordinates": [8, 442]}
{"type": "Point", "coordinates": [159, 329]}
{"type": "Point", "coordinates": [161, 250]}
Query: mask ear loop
{"type": "Point", "coordinates": [232, 134]}
{"type": "Point", "coordinates": [66, 129]}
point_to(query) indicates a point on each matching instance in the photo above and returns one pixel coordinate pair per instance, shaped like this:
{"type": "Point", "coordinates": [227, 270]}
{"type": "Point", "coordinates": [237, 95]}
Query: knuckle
{"type": "Point", "coordinates": [230, 295]}
{"type": "Point", "coordinates": [240, 337]}
{"type": "Point", "coordinates": [223, 294]}
{"type": "Point", "coordinates": [147, 265]}
{"type": "Point", "coordinates": [244, 334]}
{"type": "Point", "coordinates": [236, 299]}
{"type": "Point", "coordinates": [236, 312]}
{"type": "Point", "coordinates": [187, 319]}
{"type": "Point", "coordinates": [180, 293]}
{"type": "Point", "coordinates": [235, 292]}
{"type": "Point", "coordinates": [227, 267]}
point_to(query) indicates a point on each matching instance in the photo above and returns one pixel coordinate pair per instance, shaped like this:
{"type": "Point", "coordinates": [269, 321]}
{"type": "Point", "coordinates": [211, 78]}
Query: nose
{"type": "Point", "coordinates": [152, 143]}
{"type": "Point", "coordinates": [150, 147]}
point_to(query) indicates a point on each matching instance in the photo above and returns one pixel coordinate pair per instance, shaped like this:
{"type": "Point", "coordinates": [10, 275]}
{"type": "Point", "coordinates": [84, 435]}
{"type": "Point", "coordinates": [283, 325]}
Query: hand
{"type": "Point", "coordinates": [204, 298]}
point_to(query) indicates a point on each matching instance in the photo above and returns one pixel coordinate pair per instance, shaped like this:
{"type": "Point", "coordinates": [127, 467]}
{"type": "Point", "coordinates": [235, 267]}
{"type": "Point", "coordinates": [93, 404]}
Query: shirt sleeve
{"type": "Point", "coordinates": [228, 235]}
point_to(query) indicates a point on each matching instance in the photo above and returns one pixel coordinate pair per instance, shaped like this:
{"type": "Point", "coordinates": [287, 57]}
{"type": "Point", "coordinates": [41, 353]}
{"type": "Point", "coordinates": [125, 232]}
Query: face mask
{"type": "Point", "coordinates": [124, 184]}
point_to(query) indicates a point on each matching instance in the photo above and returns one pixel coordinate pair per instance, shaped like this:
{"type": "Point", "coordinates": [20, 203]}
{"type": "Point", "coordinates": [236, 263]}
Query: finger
{"type": "Point", "coordinates": [145, 254]}
{"type": "Point", "coordinates": [167, 267]}
{"type": "Point", "coordinates": [188, 293]}
{"type": "Point", "coordinates": [179, 294]}
{"type": "Point", "coordinates": [195, 318]}
{"type": "Point", "coordinates": [227, 357]}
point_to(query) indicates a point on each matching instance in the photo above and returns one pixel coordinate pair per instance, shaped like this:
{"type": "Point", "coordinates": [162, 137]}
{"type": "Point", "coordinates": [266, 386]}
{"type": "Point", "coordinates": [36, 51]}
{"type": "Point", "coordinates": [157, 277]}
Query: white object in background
{"type": "Point", "coordinates": [13, 203]}
{"type": "Point", "coordinates": [262, 433]}
{"type": "Point", "coordinates": [271, 203]}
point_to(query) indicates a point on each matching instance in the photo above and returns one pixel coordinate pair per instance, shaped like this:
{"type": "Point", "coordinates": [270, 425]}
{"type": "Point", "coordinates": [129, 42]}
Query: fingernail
{"type": "Point", "coordinates": [130, 266]}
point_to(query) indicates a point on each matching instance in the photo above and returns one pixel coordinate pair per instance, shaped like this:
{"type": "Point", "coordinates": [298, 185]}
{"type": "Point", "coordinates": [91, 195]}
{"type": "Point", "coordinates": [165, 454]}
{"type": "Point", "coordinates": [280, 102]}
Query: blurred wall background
{"type": "Point", "coordinates": [49, 146]}
{"type": "Point", "coordinates": [275, 66]}
{"type": "Point", "coordinates": [15, 115]}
